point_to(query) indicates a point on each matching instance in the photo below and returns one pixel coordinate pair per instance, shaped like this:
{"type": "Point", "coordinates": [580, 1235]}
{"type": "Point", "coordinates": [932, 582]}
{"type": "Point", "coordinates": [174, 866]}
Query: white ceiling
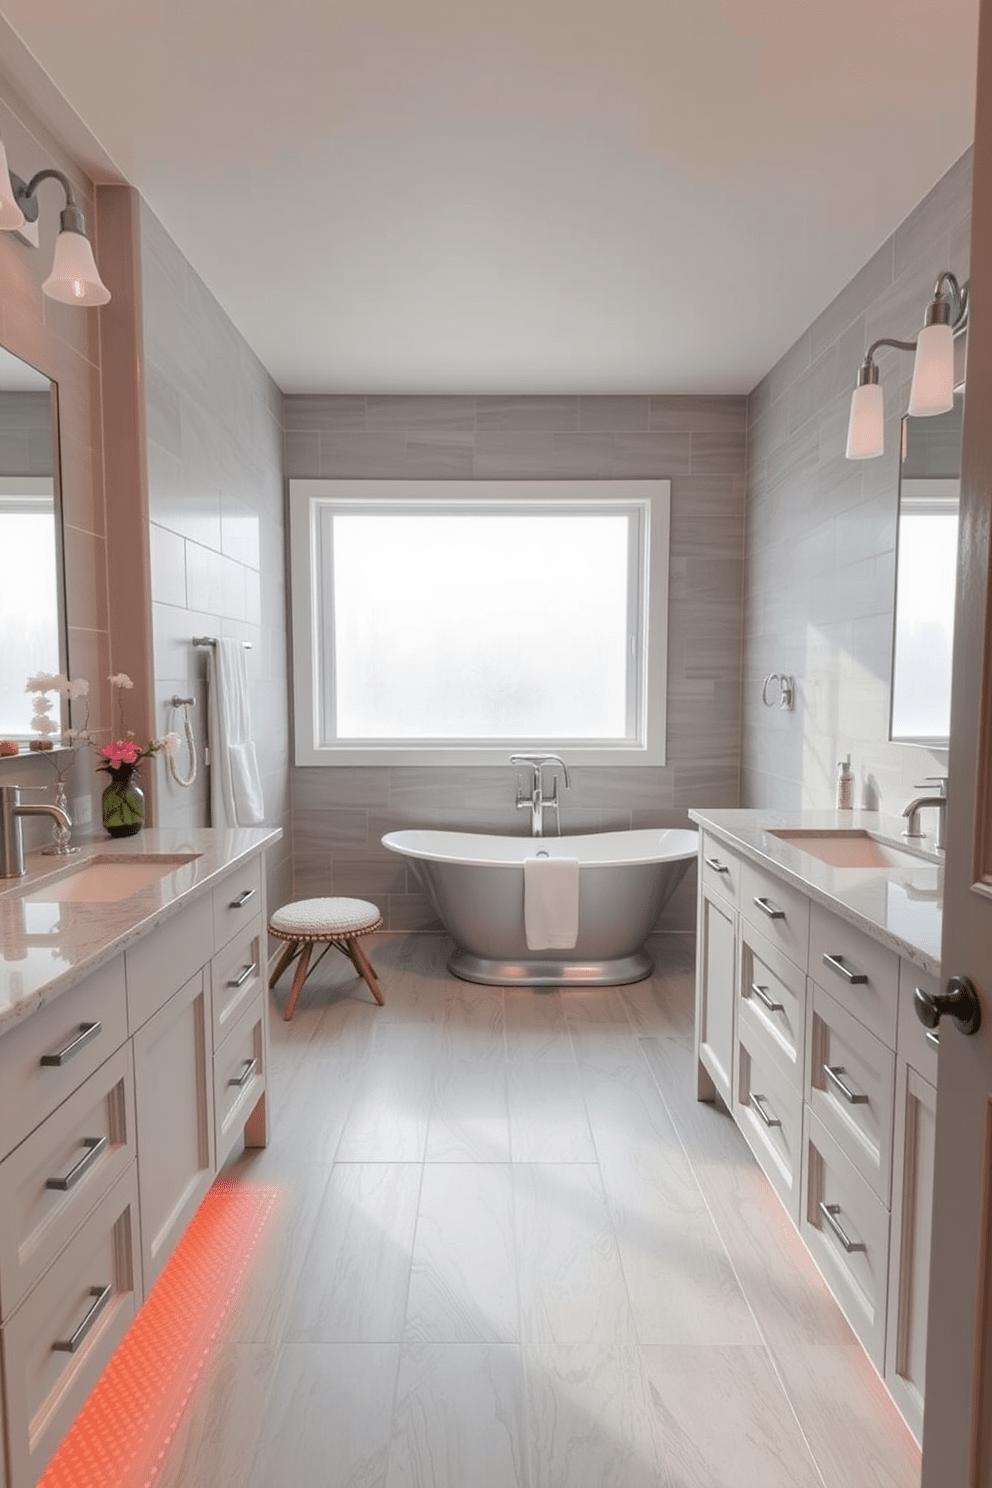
{"type": "Point", "coordinates": [529, 196]}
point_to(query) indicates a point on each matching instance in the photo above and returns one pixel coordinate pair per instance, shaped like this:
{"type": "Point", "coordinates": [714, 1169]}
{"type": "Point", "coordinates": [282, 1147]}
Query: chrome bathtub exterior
{"type": "Point", "coordinates": [475, 884]}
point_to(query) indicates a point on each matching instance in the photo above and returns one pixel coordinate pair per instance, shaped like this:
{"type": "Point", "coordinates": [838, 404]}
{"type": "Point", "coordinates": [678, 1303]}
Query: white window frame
{"type": "Point", "coordinates": [652, 498]}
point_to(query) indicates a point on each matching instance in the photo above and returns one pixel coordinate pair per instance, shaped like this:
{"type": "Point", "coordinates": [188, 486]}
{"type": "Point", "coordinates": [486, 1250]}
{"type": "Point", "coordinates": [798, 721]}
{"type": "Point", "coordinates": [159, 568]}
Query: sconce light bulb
{"type": "Point", "coordinates": [11, 216]}
{"type": "Point", "coordinates": [75, 279]}
{"type": "Point", "coordinates": [932, 391]}
{"type": "Point", "coordinates": [866, 427]}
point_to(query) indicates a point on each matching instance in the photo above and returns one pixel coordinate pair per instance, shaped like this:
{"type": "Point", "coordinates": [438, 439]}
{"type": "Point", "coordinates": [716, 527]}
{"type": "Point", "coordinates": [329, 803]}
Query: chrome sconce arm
{"type": "Point", "coordinates": [74, 278]}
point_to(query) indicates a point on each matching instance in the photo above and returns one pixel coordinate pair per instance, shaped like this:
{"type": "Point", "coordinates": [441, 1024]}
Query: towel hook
{"type": "Point", "coordinates": [786, 690]}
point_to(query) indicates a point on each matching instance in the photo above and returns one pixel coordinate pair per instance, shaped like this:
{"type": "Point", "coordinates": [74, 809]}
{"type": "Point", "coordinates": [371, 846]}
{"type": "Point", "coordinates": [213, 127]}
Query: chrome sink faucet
{"type": "Point", "coordinates": [12, 808]}
{"type": "Point", "coordinates": [537, 800]}
{"type": "Point", "coordinates": [939, 800]}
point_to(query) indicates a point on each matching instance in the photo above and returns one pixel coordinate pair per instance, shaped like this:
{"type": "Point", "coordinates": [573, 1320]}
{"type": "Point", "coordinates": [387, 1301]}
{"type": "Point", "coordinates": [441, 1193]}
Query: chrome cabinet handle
{"type": "Point", "coordinates": [242, 899]}
{"type": "Point", "coordinates": [836, 963]}
{"type": "Point", "coordinates": [833, 1073]}
{"type": "Point", "coordinates": [248, 971]}
{"type": "Point", "coordinates": [101, 1296]}
{"type": "Point", "coordinates": [95, 1146]}
{"type": "Point", "coordinates": [761, 993]}
{"type": "Point", "coordinates": [716, 865]}
{"type": "Point", "coordinates": [767, 907]}
{"type": "Point", "coordinates": [829, 1211]}
{"type": "Point", "coordinates": [242, 1080]}
{"type": "Point", "coordinates": [756, 1102]}
{"type": "Point", "coordinates": [932, 1037]}
{"type": "Point", "coordinates": [87, 1032]}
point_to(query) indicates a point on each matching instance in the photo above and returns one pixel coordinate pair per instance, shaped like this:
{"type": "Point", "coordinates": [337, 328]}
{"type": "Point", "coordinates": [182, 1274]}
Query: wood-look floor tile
{"type": "Point", "coordinates": [263, 1300]}
{"type": "Point", "coordinates": [387, 1121]}
{"type": "Point", "coordinates": [705, 1128]}
{"type": "Point", "coordinates": [329, 1417]}
{"type": "Point", "coordinates": [353, 1284]}
{"type": "Point", "coordinates": [724, 1421]}
{"type": "Point", "coordinates": [460, 1419]}
{"type": "Point", "coordinates": [548, 1120]}
{"type": "Point", "coordinates": [468, 1119]}
{"type": "Point", "coordinates": [536, 1029]}
{"type": "Point", "coordinates": [313, 1103]}
{"type": "Point", "coordinates": [217, 1434]}
{"type": "Point", "coordinates": [624, 1105]}
{"type": "Point", "coordinates": [463, 1282]}
{"type": "Point", "coordinates": [572, 1287]}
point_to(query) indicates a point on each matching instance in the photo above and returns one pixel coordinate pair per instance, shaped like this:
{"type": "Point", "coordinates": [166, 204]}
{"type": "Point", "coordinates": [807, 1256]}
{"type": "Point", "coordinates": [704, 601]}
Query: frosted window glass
{"type": "Point", "coordinates": [924, 634]}
{"type": "Point", "coordinates": [481, 625]}
{"type": "Point", "coordinates": [28, 611]}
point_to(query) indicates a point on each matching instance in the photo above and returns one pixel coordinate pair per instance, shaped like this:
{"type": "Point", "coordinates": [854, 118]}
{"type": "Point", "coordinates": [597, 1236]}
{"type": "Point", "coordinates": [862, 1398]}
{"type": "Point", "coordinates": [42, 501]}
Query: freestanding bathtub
{"type": "Point", "coordinates": [475, 884]}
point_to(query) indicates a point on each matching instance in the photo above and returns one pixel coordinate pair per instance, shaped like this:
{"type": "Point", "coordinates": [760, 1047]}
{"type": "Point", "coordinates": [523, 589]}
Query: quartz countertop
{"type": "Point", "coordinates": [47, 945]}
{"type": "Point", "coordinates": [899, 907]}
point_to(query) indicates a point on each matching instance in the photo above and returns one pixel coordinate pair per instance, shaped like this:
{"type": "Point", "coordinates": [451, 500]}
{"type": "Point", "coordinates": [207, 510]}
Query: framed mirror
{"type": "Point", "coordinates": [32, 588]}
{"type": "Point", "coordinates": [926, 578]}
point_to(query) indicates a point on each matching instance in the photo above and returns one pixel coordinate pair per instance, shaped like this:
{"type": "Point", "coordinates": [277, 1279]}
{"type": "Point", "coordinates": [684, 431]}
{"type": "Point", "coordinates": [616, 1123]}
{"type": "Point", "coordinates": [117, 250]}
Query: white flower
{"type": "Point", "coordinates": [45, 725]}
{"type": "Point", "coordinates": [120, 679]}
{"type": "Point", "coordinates": [78, 688]}
{"type": "Point", "coordinates": [168, 743]}
{"type": "Point", "coordinates": [41, 705]}
{"type": "Point", "coordinates": [46, 682]}
{"type": "Point", "coordinates": [77, 736]}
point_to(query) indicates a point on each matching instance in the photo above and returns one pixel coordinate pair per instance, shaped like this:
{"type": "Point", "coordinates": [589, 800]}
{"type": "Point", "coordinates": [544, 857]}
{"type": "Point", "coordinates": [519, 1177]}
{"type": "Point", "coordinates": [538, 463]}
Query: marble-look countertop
{"type": "Point", "coordinates": [899, 907]}
{"type": "Point", "coordinates": [47, 946]}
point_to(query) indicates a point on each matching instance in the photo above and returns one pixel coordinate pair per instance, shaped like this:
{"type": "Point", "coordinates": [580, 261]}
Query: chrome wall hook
{"type": "Point", "coordinates": [786, 686]}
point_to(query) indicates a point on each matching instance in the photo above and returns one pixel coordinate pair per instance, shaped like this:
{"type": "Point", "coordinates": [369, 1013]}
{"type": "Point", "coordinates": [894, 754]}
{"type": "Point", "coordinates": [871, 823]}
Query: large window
{"type": "Point", "coordinates": [464, 620]}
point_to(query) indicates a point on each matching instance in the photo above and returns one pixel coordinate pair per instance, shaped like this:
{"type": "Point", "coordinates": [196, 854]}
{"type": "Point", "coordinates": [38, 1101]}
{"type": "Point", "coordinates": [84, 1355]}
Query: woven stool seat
{"type": "Point", "coordinates": [336, 922]}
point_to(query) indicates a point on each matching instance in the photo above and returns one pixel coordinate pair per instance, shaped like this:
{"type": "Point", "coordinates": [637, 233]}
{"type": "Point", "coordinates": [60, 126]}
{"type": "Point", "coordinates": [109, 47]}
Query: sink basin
{"type": "Point", "coordinates": [850, 849]}
{"type": "Point", "coordinates": [109, 880]}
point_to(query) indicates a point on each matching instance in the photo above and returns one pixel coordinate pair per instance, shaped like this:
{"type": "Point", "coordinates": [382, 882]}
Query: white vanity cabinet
{"type": "Point", "coordinates": [824, 1066]}
{"type": "Point", "coordinates": [119, 1100]}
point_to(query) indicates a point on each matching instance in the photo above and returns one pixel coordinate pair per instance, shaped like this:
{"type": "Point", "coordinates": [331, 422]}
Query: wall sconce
{"type": "Point", "coordinates": [75, 278]}
{"type": "Point", "coordinates": [932, 389]}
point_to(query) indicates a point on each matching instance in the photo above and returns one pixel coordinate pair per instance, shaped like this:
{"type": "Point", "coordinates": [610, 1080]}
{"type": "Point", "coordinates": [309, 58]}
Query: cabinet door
{"type": "Point", "coordinates": [909, 1257]}
{"type": "Point", "coordinates": [715, 996]}
{"type": "Point", "coordinates": [173, 1079]}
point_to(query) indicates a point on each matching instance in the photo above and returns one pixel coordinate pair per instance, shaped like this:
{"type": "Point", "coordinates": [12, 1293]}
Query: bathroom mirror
{"type": "Point", "coordinates": [926, 572]}
{"type": "Point", "coordinates": [32, 590]}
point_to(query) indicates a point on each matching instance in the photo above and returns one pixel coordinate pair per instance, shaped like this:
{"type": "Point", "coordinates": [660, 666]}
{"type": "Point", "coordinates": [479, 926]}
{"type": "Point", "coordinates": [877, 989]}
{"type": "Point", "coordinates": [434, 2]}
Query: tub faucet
{"type": "Point", "coordinates": [537, 801]}
{"type": "Point", "coordinates": [12, 808]}
{"type": "Point", "coordinates": [912, 812]}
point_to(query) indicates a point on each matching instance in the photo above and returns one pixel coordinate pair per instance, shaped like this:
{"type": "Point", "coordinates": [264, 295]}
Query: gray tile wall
{"type": "Point", "coordinates": [820, 565]}
{"type": "Point", "coordinates": [340, 813]}
{"type": "Point", "coordinates": [215, 450]}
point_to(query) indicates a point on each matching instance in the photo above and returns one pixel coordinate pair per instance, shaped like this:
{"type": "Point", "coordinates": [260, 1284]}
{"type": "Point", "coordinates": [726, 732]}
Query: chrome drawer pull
{"type": "Point", "coordinates": [761, 993]}
{"type": "Point", "coordinates": [836, 963]}
{"type": "Point", "coordinates": [767, 907]}
{"type": "Point", "coordinates": [833, 1073]}
{"type": "Point", "coordinates": [87, 1031]}
{"type": "Point", "coordinates": [242, 1080]}
{"type": "Point", "coordinates": [932, 1037]}
{"type": "Point", "coordinates": [242, 899]}
{"type": "Point", "coordinates": [95, 1146]}
{"type": "Point", "coordinates": [716, 865]}
{"type": "Point", "coordinates": [248, 971]}
{"type": "Point", "coordinates": [828, 1211]}
{"type": "Point", "coordinates": [101, 1296]}
{"type": "Point", "coordinates": [755, 1101]}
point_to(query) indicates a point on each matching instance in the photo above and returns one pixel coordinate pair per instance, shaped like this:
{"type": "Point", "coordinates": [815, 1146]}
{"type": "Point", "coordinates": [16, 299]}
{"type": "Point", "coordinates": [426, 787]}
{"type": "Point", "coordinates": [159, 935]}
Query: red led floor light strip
{"type": "Point", "coordinates": [120, 1436]}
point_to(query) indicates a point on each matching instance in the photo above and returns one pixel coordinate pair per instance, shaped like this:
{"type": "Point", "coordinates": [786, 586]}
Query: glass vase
{"type": "Point", "coordinates": [123, 806]}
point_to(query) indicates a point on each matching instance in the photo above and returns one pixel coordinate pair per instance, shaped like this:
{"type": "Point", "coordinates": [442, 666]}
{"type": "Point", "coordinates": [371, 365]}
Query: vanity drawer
{"type": "Point", "coordinates": [719, 868]}
{"type": "Point", "coordinates": [237, 899]}
{"type": "Point", "coordinates": [779, 911]}
{"type": "Point", "coordinates": [916, 1044]}
{"type": "Point", "coordinates": [47, 1056]}
{"type": "Point", "coordinates": [54, 1178]}
{"type": "Point", "coordinates": [86, 1299]}
{"type": "Point", "coordinates": [773, 1001]}
{"type": "Point", "coordinates": [166, 959]}
{"type": "Point", "coordinates": [235, 978]}
{"type": "Point", "coordinates": [846, 1229]}
{"type": "Point", "coordinates": [854, 1101]}
{"type": "Point", "coordinates": [860, 973]}
{"type": "Point", "coordinates": [768, 1108]}
{"type": "Point", "coordinates": [239, 1076]}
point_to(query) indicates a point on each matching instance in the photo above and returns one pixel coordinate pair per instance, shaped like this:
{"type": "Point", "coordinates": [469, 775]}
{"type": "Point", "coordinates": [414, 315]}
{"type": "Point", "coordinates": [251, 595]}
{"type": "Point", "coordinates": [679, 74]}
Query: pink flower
{"type": "Point", "coordinates": [121, 752]}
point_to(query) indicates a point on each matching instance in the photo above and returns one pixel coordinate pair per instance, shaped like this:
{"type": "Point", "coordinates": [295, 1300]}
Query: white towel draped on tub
{"type": "Point", "coordinates": [235, 787]}
{"type": "Point", "coordinates": [551, 903]}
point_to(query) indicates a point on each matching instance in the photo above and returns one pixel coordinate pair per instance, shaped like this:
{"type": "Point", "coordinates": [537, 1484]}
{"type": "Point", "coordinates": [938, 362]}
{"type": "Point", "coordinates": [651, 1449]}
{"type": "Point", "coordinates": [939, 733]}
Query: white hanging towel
{"type": "Point", "coordinates": [551, 903]}
{"type": "Point", "coordinates": [235, 786]}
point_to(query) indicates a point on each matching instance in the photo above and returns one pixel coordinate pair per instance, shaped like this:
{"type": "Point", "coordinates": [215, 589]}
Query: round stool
{"type": "Point", "coordinates": [327, 922]}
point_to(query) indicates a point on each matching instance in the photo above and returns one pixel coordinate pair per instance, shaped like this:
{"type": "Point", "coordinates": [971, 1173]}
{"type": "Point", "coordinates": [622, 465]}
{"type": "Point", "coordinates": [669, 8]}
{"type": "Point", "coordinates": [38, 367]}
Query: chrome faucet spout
{"type": "Point", "coordinates": [912, 813]}
{"type": "Point", "coordinates": [12, 809]}
{"type": "Point", "coordinates": [537, 801]}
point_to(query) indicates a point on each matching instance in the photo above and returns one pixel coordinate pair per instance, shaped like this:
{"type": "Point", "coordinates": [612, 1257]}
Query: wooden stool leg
{"type": "Point", "coordinates": [364, 968]}
{"type": "Point", "coordinates": [299, 978]}
{"type": "Point", "coordinates": [285, 956]}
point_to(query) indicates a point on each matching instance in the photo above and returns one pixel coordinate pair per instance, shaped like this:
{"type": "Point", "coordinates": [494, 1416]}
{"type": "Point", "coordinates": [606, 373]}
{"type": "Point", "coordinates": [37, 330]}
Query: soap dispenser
{"type": "Point", "coordinates": [845, 785]}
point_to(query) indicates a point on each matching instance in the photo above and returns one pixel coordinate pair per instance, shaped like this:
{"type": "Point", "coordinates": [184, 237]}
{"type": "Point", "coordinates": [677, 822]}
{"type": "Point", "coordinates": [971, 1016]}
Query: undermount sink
{"type": "Point", "coordinates": [109, 880]}
{"type": "Point", "coordinates": [845, 848]}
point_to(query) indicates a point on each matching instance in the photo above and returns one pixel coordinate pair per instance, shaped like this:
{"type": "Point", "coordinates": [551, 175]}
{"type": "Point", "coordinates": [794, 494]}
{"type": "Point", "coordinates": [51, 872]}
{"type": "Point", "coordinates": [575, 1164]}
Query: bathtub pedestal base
{"type": "Point", "coordinates": [547, 973]}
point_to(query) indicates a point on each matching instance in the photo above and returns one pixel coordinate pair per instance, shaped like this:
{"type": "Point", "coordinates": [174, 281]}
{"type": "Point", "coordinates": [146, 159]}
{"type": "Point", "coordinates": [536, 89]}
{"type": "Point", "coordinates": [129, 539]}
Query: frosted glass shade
{"type": "Point", "coordinates": [11, 215]}
{"type": "Point", "coordinates": [933, 372]}
{"type": "Point", "coordinates": [866, 428]}
{"type": "Point", "coordinates": [75, 279]}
